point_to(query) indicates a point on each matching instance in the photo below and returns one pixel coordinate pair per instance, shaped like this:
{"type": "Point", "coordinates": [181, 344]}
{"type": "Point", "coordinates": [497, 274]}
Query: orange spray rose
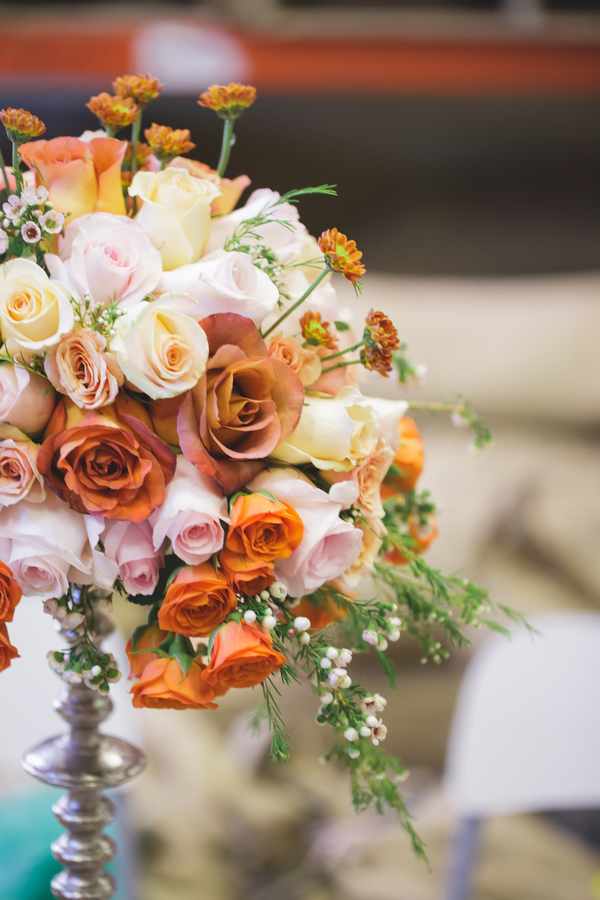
{"type": "Point", "coordinates": [422, 534]}
{"type": "Point", "coordinates": [262, 529]}
{"type": "Point", "coordinates": [164, 686]}
{"type": "Point", "coordinates": [197, 600]}
{"type": "Point", "coordinates": [151, 639]}
{"type": "Point", "coordinates": [242, 656]}
{"type": "Point", "coordinates": [409, 458]}
{"type": "Point", "coordinates": [7, 651]}
{"type": "Point", "coordinates": [10, 593]}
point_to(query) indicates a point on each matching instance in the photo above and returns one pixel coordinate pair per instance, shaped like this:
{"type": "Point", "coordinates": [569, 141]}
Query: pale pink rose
{"type": "Point", "coordinates": [80, 367]}
{"type": "Point", "coordinates": [369, 478]}
{"type": "Point", "coordinates": [285, 242]}
{"type": "Point", "coordinates": [47, 545]}
{"type": "Point", "coordinates": [108, 257]}
{"type": "Point", "coordinates": [19, 476]}
{"type": "Point", "coordinates": [191, 515]}
{"type": "Point", "coordinates": [26, 400]}
{"type": "Point", "coordinates": [130, 545]}
{"type": "Point", "coordinates": [329, 546]}
{"type": "Point", "coordinates": [225, 282]}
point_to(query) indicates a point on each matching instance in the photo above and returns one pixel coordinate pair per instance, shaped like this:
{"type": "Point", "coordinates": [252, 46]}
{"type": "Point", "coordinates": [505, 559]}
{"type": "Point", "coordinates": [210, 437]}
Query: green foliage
{"type": "Point", "coordinates": [405, 369]}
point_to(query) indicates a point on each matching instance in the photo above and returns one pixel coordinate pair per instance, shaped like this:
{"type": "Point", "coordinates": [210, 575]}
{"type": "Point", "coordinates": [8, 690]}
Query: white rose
{"type": "Point", "coordinates": [329, 545]}
{"type": "Point", "coordinates": [286, 243]}
{"type": "Point", "coordinates": [335, 433]}
{"type": "Point", "coordinates": [51, 545]}
{"type": "Point", "coordinates": [175, 213]}
{"type": "Point", "coordinates": [191, 515]}
{"type": "Point", "coordinates": [34, 311]}
{"type": "Point", "coordinates": [108, 257]}
{"type": "Point", "coordinates": [226, 282]}
{"type": "Point", "coordinates": [19, 475]}
{"type": "Point", "coordinates": [161, 351]}
{"type": "Point", "coordinates": [388, 414]}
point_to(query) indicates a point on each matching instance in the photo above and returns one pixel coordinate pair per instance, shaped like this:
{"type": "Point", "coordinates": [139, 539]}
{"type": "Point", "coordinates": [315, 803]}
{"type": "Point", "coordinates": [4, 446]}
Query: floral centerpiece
{"type": "Point", "coordinates": [182, 423]}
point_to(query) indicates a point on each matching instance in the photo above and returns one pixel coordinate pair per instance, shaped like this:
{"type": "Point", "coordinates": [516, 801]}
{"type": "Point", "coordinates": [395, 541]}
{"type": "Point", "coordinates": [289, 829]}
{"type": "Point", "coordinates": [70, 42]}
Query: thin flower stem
{"type": "Point", "coordinates": [343, 352]}
{"type": "Point", "coordinates": [135, 137]}
{"type": "Point", "coordinates": [227, 144]}
{"type": "Point", "coordinates": [436, 407]}
{"type": "Point", "coordinates": [349, 362]}
{"type": "Point", "coordinates": [5, 176]}
{"type": "Point", "coordinates": [16, 161]}
{"type": "Point", "coordinates": [295, 305]}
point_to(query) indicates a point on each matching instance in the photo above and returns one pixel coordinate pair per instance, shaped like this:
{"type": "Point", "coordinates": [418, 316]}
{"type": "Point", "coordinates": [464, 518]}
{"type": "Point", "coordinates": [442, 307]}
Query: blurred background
{"type": "Point", "coordinates": [464, 137]}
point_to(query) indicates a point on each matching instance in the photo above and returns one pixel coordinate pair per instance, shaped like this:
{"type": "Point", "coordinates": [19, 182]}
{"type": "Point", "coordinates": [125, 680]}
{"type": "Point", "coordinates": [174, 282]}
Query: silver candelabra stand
{"type": "Point", "coordinates": [84, 762]}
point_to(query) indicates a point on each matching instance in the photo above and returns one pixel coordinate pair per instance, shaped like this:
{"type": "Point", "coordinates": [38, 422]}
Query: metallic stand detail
{"type": "Point", "coordinates": [84, 762]}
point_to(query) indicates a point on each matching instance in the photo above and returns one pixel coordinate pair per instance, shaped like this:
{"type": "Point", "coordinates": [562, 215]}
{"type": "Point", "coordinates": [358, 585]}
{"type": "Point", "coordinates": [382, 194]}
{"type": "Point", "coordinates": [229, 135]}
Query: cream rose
{"type": "Point", "coordinates": [388, 414]}
{"type": "Point", "coordinates": [286, 242]}
{"type": "Point", "coordinates": [80, 367]}
{"type": "Point", "coordinates": [304, 362]}
{"type": "Point", "coordinates": [26, 400]}
{"type": "Point", "coordinates": [191, 515]}
{"type": "Point", "coordinates": [335, 433]}
{"type": "Point", "coordinates": [108, 257]}
{"type": "Point", "coordinates": [228, 282]}
{"type": "Point", "coordinates": [175, 213]}
{"type": "Point", "coordinates": [47, 545]}
{"type": "Point", "coordinates": [161, 351]}
{"type": "Point", "coordinates": [34, 311]}
{"type": "Point", "coordinates": [329, 546]}
{"type": "Point", "coordinates": [19, 476]}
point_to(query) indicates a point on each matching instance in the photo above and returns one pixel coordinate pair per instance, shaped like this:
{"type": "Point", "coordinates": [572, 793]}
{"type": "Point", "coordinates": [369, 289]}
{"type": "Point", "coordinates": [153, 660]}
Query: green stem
{"type": "Point", "coordinates": [349, 362]}
{"type": "Point", "coordinates": [5, 176]}
{"type": "Point", "coordinates": [16, 161]}
{"type": "Point", "coordinates": [343, 352]}
{"type": "Point", "coordinates": [295, 305]}
{"type": "Point", "coordinates": [227, 144]}
{"type": "Point", "coordinates": [135, 137]}
{"type": "Point", "coordinates": [109, 131]}
{"type": "Point", "coordinates": [436, 407]}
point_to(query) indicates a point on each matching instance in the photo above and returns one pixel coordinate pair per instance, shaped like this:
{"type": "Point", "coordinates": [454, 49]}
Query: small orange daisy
{"type": "Point", "coordinates": [21, 126]}
{"type": "Point", "coordinates": [167, 143]}
{"type": "Point", "coordinates": [316, 332]}
{"type": "Point", "coordinates": [141, 88]}
{"type": "Point", "coordinates": [114, 112]}
{"type": "Point", "coordinates": [341, 255]}
{"type": "Point", "coordinates": [228, 101]}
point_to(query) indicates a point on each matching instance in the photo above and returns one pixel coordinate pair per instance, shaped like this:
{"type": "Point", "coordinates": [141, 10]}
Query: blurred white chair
{"type": "Point", "coordinates": [526, 731]}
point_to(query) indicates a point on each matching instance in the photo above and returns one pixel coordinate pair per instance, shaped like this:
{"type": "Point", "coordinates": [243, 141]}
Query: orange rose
{"type": "Point", "coordinates": [422, 535]}
{"type": "Point", "coordinates": [409, 458]}
{"type": "Point", "coordinates": [250, 577]}
{"type": "Point", "coordinates": [262, 530]}
{"type": "Point", "coordinates": [151, 639]}
{"type": "Point", "coordinates": [10, 593]}
{"type": "Point", "coordinates": [305, 363]}
{"type": "Point", "coordinates": [197, 600]}
{"type": "Point", "coordinates": [81, 177]}
{"type": "Point", "coordinates": [242, 656]}
{"type": "Point", "coordinates": [164, 686]}
{"type": "Point", "coordinates": [7, 651]}
{"type": "Point", "coordinates": [320, 616]}
{"type": "Point", "coordinates": [106, 463]}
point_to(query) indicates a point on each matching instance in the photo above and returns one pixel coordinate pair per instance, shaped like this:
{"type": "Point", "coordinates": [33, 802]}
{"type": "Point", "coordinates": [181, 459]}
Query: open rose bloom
{"type": "Point", "coordinates": [181, 422]}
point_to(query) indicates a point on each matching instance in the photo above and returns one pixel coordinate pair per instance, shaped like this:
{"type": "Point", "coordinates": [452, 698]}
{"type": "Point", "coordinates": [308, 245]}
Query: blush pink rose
{"type": "Point", "coordinates": [369, 478]}
{"type": "Point", "coordinates": [80, 367]}
{"type": "Point", "coordinates": [330, 545]}
{"type": "Point", "coordinates": [226, 282]}
{"type": "Point", "coordinates": [130, 546]}
{"type": "Point", "coordinates": [191, 515]}
{"type": "Point", "coordinates": [19, 476]}
{"type": "Point", "coordinates": [26, 400]}
{"type": "Point", "coordinates": [108, 257]}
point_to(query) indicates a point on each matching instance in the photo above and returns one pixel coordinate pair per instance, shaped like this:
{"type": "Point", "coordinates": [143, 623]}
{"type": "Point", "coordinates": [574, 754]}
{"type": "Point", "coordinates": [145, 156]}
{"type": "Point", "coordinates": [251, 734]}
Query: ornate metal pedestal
{"type": "Point", "coordinates": [84, 762]}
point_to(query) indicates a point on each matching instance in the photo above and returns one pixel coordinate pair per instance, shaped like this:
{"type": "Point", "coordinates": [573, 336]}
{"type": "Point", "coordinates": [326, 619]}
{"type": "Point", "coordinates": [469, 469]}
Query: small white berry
{"type": "Point", "coordinates": [371, 637]}
{"type": "Point", "coordinates": [345, 657]}
{"type": "Point", "coordinates": [265, 595]}
{"type": "Point", "coordinates": [325, 663]}
{"type": "Point", "coordinates": [305, 638]}
{"type": "Point", "coordinates": [301, 623]}
{"type": "Point", "coordinates": [382, 645]}
{"type": "Point", "coordinates": [96, 670]}
{"type": "Point", "coordinates": [278, 590]}
{"type": "Point", "coordinates": [395, 621]}
{"type": "Point", "coordinates": [269, 622]}
{"type": "Point", "coordinates": [353, 752]}
{"type": "Point", "coordinates": [372, 721]}
{"type": "Point", "coordinates": [351, 734]}
{"type": "Point", "coordinates": [332, 653]}
{"type": "Point", "coordinates": [394, 635]}
{"type": "Point", "coordinates": [365, 731]}
{"type": "Point", "coordinates": [249, 616]}
{"type": "Point", "coordinates": [345, 682]}
{"type": "Point", "coordinates": [326, 698]}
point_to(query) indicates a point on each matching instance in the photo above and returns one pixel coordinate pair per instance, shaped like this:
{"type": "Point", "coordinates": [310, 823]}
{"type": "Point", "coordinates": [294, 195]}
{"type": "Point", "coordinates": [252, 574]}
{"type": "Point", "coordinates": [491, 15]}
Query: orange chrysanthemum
{"type": "Point", "coordinates": [114, 112]}
{"type": "Point", "coordinates": [142, 154]}
{"type": "Point", "coordinates": [316, 332]}
{"type": "Point", "coordinates": [228, 101]}
{"type": "Point", "coordinates": [141, 88]}
{"type": "Point", "coordinates": [167, 143]}
{"type": "Point", "coordinates": [341, 255]}
{"type": "Point", "coordinates": [381, 339]}
{"type": "Point", "coordinates": [21, 126]}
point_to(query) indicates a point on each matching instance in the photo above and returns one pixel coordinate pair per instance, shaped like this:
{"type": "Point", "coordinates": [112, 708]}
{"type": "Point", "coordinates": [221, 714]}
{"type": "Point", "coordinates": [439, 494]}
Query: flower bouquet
{"type": "Point", "coordinates": [181, 423]}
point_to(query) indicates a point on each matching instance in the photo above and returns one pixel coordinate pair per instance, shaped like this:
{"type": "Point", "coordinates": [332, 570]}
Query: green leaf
{"type": "Point", "coordinates": [137, 635]}
{"type": "Point", "coordinates": [341, 326]}
{"type": "Point", "coordinates": [184, 661]}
